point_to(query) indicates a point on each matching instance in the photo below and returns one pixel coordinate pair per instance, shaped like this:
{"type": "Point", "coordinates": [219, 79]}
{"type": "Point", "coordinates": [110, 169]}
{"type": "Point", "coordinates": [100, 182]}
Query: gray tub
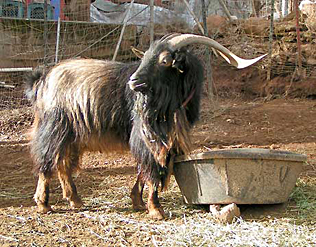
{"type": "Point", "coordinates": [241, 176]}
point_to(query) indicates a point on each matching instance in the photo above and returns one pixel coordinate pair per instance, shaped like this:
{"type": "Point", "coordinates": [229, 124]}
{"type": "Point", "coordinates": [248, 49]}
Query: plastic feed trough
{"type": "Point", "coordinates": [241, 176]}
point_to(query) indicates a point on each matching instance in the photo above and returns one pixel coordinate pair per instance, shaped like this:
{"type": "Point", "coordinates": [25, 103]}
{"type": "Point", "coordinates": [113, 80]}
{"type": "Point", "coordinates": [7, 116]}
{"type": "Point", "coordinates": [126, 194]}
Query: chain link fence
{"type": "Point", "coordinates": [42, 32]}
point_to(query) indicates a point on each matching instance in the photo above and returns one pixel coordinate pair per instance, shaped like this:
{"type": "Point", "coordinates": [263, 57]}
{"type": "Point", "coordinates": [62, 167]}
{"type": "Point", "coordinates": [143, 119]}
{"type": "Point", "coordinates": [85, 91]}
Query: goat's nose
{"type": "Point", "coordinates": [133, 78]}
{"type": "Point", "coordinates": [132, 81]}
{"type": "Point", "coordinates": [136, 83]}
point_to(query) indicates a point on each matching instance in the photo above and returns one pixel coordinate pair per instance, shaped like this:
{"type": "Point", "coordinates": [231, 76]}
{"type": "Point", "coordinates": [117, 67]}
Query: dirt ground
{"type": "Point", "coordinates": [106, 179]}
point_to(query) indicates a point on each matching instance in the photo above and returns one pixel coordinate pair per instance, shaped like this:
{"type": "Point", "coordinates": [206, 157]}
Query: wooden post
{"type": "Point", "coordinates": [152, 13]}
{"type": "Point", "coordinates": [204, 14]}
{"type": "Point", "coordinates": [226, 11]}
{"type": "Point", "coordinates": [194, 16]}
{"type": "Point", "coordinates": [271, 40]}
{"type": "Point", "coordinates": [298, 34]}
{"type": "Point", "coordinates": [253, 8]}
{"type": "Point", "coordinates": [209, 82]}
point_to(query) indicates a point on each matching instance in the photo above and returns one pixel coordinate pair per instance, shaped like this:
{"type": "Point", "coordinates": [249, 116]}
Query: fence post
{"type": "Point", "coordinates": [57, 40]}
{"type": "Point", "coordinates": [209, 80]}
{"type": "Point", "coordinates": [271, 40]}
{"type": "Point", "coordinates": [122, 31]}
{"type": "Point", "coordinates": [225, 9]}
{"type": "Point", "coordinates": [253, 8]}
{"type": "Point", "coordinates": [298, 34]}
{"type": "Point", "coordinates": [194, 16]}
{"type": "Point", "coordinates": [285, 7]}
{"type": "Point", "coordinates": [204, 17]}
{"type": "Point", "coordinates": [152, 13]}
{"type": "Point", "coordinates": [45, 34]}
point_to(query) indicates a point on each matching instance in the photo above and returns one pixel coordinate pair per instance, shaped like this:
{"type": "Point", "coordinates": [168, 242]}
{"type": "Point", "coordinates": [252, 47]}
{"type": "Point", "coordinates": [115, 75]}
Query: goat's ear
{"type": "Point", "coordinates": [179, 61]}
{"type": "Point", "coordinates": [137, 52]}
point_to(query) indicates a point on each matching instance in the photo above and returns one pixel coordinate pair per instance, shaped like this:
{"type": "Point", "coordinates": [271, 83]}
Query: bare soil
{"type": "Point", "coordinates": [105, 181]}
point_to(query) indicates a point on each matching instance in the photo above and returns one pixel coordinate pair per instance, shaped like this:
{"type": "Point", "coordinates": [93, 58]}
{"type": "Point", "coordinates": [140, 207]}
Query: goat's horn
{"type": "Point", "coordinates": [187, 39]}
{"type": "Point", "coordinates": [169, 36]}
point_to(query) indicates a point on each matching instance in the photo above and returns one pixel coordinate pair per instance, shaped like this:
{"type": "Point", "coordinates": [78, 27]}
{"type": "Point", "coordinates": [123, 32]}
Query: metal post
{"type": "Point", "coordinates": [45, 34]}
{"type": "Point", "coordinates": [292, 6]}
{"type": "Point", "coordinates": [10, 70]}
{"type": "Point", "coordinates": [57, 40]}
{"type": "Point", "coordinates": [285, 7]}
{"type": "Point", "coordinates": [152, 13]}
{"type": "Point", "coordinates": [123, 30]}
{"type": "Point", "coordinates": [271, 39]}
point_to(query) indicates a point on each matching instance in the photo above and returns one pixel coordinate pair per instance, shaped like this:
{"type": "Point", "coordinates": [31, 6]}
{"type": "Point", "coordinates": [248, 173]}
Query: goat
{"type": "Point", "coordinates": [148, 107]}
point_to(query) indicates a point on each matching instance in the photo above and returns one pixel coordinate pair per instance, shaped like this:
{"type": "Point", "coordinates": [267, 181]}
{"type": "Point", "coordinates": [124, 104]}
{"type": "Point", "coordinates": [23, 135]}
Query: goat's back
{"type": "Point", "coordinates": [93, 97]}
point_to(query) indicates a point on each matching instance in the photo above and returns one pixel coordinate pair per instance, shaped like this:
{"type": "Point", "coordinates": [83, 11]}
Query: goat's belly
{"type": "Point", "coordinates": [105, 144]}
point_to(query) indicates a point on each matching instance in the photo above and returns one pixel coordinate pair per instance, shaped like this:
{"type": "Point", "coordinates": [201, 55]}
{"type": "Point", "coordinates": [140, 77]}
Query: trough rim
{"type": "Point", "coordinates": [244, 153]}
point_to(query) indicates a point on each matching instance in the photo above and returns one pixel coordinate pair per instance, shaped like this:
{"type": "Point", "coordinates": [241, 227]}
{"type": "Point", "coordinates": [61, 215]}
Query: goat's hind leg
{"type": "Point", "coordinates": [65, 169]}
{"type": "Point", "coordinates": [41, 195]}
{"type": "Point", "coordinates": [137, 194]}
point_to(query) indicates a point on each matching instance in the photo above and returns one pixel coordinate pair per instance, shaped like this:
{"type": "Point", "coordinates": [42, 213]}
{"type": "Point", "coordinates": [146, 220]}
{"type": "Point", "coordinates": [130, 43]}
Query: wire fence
{"type": "Point", "coordinates": [31, 36]}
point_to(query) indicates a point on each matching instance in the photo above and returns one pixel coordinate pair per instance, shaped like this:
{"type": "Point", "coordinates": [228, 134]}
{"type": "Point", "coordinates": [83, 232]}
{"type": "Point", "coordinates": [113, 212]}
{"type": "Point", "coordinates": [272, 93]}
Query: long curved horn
{"type": "Point", "coordinates": [169, 36]}
{"type": "Point", "coordinates": [187, 39]}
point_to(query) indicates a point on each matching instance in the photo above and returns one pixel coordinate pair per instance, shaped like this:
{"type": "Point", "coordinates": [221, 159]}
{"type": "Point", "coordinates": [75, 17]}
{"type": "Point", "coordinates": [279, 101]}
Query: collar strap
{"type": "Point", "coordinates": [188, 99]}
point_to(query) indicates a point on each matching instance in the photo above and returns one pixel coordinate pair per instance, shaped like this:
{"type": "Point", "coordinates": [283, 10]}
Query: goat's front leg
{"type": "Point", "coordinates": [155, 210]}
{"type": "Point", "coordinates": [137, 194]}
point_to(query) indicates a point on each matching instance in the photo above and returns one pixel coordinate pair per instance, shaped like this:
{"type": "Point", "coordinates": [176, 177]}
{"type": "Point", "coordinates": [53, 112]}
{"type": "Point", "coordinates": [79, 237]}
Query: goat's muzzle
{"type": "Point", "coordinates": [136, 84]}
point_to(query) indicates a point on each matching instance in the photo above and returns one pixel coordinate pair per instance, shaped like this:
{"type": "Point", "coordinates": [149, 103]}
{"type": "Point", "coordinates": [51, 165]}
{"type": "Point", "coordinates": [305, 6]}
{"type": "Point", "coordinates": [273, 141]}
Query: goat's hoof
{"type": "Point", "coordinates": [139, 207]}
{"type": "Point", "coordinates": [75, 203]}
{"type": "Point", "coordinates": [156, 214]}
{"type": "Point", "coordinates": [137, 201]}
{"type": "Point", "coordinates": [43, 209]}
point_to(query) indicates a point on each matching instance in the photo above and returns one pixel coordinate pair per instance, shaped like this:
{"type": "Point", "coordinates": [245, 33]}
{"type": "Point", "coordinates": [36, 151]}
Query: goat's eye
{"type": "Point", "coordinates": [165, 59]}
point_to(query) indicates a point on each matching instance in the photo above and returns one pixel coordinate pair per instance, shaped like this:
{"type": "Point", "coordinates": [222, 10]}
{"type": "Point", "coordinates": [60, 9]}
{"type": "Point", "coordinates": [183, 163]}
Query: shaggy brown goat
{"type": "Point", "coordinates": [149, 106]}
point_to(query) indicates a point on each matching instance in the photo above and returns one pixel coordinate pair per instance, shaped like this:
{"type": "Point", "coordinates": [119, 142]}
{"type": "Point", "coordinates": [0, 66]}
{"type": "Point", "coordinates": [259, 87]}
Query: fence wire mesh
{"type": "Point", "coordinates": [93, 30]}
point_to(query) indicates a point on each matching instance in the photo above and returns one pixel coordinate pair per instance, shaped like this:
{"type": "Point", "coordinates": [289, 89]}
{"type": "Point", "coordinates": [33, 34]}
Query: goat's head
{"type": "Point", "coordinates": [159, 63]}
{"type": "Point", "coordinates": [167, 59]}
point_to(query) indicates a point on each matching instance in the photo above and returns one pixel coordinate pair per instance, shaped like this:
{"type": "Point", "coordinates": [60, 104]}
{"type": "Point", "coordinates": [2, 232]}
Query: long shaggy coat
{"type": "Point", "coordinates": [91, 105]}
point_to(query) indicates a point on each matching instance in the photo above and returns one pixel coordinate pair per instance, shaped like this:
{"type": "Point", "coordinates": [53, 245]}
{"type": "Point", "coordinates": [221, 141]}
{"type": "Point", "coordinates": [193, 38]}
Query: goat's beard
{"type": "Point", "coordinates": [164, 133]}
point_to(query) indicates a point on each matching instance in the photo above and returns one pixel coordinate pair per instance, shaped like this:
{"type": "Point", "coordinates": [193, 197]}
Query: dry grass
{"type": "Point", "coordinates": [108, 220]}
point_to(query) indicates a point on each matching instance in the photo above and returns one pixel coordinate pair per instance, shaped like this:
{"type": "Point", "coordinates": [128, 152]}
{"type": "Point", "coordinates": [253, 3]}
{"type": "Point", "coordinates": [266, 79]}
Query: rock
{"type": "Point", "coordinates": [226, 214]}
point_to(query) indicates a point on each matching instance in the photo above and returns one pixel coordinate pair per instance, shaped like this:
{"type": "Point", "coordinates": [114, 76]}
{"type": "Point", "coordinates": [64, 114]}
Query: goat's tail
{"type": "Point", "coordinates": [51, 142]}
{"type": "Point", "coordinates": [30, 80]}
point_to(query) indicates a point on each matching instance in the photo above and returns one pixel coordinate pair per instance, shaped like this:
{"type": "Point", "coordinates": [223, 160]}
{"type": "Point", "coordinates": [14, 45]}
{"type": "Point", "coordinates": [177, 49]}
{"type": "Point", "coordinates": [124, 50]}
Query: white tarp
{"type": "Point", "coordinates": [111, 13]}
